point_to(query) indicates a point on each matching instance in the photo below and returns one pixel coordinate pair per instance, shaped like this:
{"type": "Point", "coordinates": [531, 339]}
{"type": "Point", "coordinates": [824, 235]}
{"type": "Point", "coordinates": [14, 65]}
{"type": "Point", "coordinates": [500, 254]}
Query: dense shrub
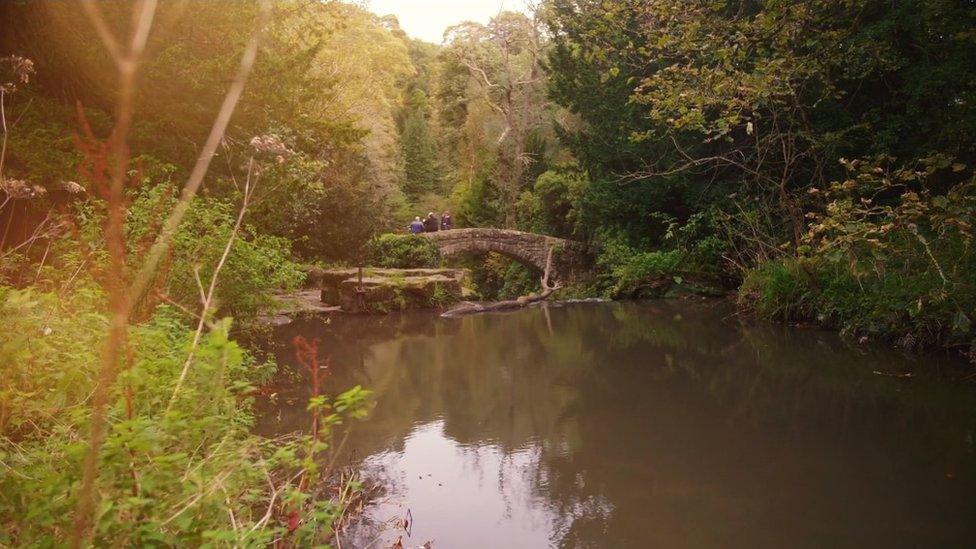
{"type": "Point", "coordinates": [257, 265]}
{"type": "Point", "coordinates": [630, 269]}
{"type": "Point", "coordinates": [396, 251]}
{"type": "Point", "coordinates": [477, 201]}
{"type": "Point", "coordinates": [689, 254]}
{"type": "Point", "coordinates": [321, 206]}
{"type": "Point", "coordinates": [911, 309]}
{"type": "Point", "coordinates": [548, 208]}
{"type": "Point", "coordinates": [778, 289]}
{"type": "Point", "coordinates": [891, 255]}
{"type": "Point", "coordinates": [41, 147]}
{"type": "Point", "coordinates": [518, 280]}
{"type": "Point", "coordinates": [175, 466]}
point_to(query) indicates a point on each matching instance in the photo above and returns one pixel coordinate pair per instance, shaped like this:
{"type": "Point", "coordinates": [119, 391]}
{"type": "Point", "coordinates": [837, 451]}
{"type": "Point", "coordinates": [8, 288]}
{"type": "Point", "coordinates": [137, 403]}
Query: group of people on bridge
{"type": "Point", "coordinates": [431, 224]}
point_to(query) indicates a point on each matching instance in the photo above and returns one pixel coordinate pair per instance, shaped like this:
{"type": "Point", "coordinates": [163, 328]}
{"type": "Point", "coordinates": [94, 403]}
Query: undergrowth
{"type": "Point", "coordinates": [177, 468]}
{"type": "Point", "coordinates": [889, 257]}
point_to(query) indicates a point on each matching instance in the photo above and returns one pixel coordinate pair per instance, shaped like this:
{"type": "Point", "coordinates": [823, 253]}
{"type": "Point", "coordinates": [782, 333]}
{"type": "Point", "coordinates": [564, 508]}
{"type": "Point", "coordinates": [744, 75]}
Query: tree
{"type": "Point", "coordinates": [419, 149]}
{"type": "Point", "coordinates": [760, 99]}
{"type": "Point", "coordinates": [503, 66]}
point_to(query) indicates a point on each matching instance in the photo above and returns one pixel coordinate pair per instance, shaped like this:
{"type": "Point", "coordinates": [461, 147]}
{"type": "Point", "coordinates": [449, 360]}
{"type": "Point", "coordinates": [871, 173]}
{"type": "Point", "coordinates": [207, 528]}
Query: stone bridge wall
{"type": "Point", "coordinates": [570, 258]}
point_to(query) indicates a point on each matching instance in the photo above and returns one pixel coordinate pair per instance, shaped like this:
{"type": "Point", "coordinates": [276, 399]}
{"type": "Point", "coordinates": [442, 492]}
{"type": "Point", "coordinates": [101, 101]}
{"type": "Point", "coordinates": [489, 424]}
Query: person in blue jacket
{"type": "Point", "coordinates": [417, 226]}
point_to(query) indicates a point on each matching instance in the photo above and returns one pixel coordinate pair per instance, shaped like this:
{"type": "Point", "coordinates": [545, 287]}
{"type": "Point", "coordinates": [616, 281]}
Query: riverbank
{"type": "Point", "coordinates": [786, 291]}
{"type": "Point", "coordinates": [180, 463]}
{"type": "Point", "coordinates": [908, 295]}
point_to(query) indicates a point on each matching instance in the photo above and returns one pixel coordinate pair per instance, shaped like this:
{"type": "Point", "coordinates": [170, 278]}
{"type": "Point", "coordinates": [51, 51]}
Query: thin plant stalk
{"type": "Point", "coordinates": [115, 240]}
{"type": "Point", "coordinates": [3, 147]}
{"type": "Point", "coordinates": [122, 296]}
{"type": "Point", "coordinates": [207, 298]}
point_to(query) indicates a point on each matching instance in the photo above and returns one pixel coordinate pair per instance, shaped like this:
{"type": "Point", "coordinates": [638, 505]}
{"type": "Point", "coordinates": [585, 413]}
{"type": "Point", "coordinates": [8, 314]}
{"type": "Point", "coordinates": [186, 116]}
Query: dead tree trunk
{"type": "Point", "coordinates": [475, 308]}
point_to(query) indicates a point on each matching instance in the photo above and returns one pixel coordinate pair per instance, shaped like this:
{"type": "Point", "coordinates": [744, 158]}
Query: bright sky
{"type": "Point", "coordinates": [428, 19]}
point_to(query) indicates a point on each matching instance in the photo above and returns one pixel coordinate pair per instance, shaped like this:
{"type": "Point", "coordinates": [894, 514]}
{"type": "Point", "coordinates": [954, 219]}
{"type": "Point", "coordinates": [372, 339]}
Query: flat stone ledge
{"type": "Point", "coordinates": [389, 289]}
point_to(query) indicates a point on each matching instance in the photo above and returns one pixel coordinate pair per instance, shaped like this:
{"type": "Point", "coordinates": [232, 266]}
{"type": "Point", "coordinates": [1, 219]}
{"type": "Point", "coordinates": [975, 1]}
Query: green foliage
{"type": "Point", "coordinates": [594, 67]}
{"type": "Point", "coordinates": [548, 208]}
{"type": "Point", "coordinates": [477, 201]}
{"type": "Point", "coordinates": [396, 251]}
{"type": "Point", "coordinates": [419, 150]}
{"type": "Point", "coordinates": [496, 277]}
{"type": "Point", "coordinates": [494, 124]}
{"type": "Point", "coordinates": [41, 147]}
{"type": "Point", "coordinates": [739, 103]}
{"type": "Point", "coordinates": [739, 111]}
{"type": "Point", "coordinates": [631, 269]}
{"type": "Point", "coordinates": [517, 281]}
{"type": "Point", "coordinates": [441, 297]}
{"type": "Point", "coordinates": [890, 256]}
{"type": "Point", "coordinates": [37, 395]}
{"type": "Point", "coordinates": [321, 206]}
{"type": "Point", "coordinates": [326, 83]}
{"type": "Point", "coordinates": [256, 266]}
{"type": "Point", "coordinates": [688, 254]}
{"type": "Point", "coordinates": [778, 289]}
{"type": "Point", "coordinates": [177, 468]}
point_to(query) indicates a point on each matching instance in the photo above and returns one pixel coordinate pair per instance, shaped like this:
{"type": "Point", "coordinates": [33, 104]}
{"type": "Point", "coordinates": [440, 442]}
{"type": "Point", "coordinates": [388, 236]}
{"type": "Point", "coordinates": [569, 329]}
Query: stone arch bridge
{"type": "Point", "coordinates": [570, 259]}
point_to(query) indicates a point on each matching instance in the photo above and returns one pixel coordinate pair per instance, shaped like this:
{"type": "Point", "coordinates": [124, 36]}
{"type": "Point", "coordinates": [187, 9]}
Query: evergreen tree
{"type": "Point", "coordinates": [419, 150]}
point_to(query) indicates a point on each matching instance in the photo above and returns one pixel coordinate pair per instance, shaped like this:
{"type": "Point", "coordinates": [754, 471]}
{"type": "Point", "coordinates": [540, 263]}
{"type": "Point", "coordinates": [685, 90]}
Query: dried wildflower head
{"type": "Point", "coordinates": [15, 188]}
{"type": "Point", "coordinates": [20, 190]}
{"type": "Point", "coordinates": [72, 187]}
{"type": "Point", "coordinates": [270, 145]}
{"type": "Point", "coordinates": [14, 71]}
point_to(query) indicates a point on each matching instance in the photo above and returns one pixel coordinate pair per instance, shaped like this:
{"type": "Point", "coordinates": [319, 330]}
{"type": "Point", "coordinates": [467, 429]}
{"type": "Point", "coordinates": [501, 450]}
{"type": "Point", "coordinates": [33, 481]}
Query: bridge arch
{"type": "Point", "coordinates": [527, 248]}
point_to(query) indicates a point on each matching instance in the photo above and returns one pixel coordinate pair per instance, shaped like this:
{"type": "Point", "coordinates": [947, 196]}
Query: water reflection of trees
{"type": "Point", "coordinates": [676, 422]}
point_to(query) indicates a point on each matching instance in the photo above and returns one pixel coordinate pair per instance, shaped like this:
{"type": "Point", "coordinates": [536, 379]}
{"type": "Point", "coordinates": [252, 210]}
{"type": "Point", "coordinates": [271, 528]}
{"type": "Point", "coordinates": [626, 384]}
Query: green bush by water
{"type": "Point", "coordinates": [395, 251]}
{"type": "Point", "coordinates": [177, 469]}
{"type": "Point", "coordinates": [518, 280]}
{"type": "Point", "coordinates": [257, 266]}
{"type": "Point", "coordinates": [688, 255]}
{"type": "Point", "coordinates": [899, 267]}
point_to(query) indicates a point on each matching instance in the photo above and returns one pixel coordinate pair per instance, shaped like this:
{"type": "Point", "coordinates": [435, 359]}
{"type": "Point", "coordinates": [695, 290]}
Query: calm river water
{"type": "Point", "coordinates": [657, 424]}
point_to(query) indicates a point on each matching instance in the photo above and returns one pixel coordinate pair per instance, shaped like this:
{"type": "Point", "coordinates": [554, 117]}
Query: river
{"type": "Point", "coordinates": [651, 424]}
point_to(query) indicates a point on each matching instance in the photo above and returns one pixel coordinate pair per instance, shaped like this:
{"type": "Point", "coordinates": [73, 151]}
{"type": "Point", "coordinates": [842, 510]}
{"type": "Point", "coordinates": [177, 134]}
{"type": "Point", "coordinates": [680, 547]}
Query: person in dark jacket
{"type": "Point", "coordinates": [446, 222]}
{"type": "Point", "coordinates": [431, 224]}
{"type": "Point", "coordinates": [417, 226]}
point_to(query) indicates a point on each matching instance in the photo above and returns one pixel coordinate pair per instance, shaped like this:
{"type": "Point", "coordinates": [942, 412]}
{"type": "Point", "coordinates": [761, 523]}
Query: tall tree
{"type": "Point", "coordinates": [419, 149]}
{"type": "Point", "coordinates": [761, 98]}
{"type": "Point", "coordinates": [504, 73]}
